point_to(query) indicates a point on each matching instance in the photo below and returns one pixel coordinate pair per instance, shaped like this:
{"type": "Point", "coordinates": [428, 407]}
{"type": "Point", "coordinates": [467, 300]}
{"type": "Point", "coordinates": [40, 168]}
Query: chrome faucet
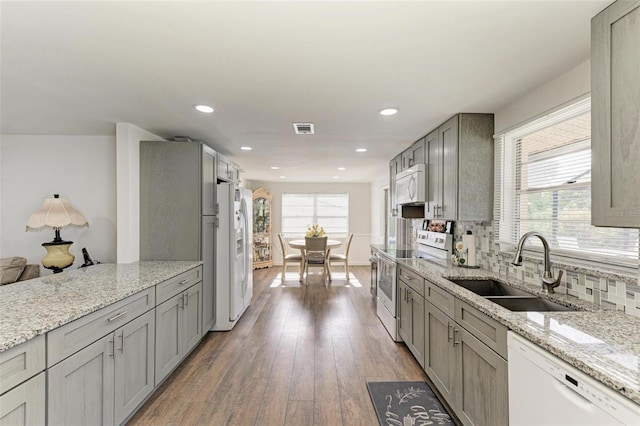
{"type": "Point", "coordinates": [548, 282]}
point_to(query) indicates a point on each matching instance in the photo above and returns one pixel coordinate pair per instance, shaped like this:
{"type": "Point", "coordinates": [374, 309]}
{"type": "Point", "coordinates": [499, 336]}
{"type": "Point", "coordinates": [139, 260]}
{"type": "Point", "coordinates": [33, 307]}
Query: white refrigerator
{"type": "Point", "coordinates": [234, 272]}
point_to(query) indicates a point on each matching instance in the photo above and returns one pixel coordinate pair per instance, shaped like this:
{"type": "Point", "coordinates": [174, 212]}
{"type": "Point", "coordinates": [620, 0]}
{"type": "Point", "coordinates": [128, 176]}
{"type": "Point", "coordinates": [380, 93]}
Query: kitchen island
{"type": "Point", "coordinates": [125, 326]}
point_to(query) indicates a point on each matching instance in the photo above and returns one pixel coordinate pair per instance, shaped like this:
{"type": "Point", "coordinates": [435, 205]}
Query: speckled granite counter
{"type": "Point", "coordinates": [604, 344]}
{"type": "Point", "coordinates": [33, 307]}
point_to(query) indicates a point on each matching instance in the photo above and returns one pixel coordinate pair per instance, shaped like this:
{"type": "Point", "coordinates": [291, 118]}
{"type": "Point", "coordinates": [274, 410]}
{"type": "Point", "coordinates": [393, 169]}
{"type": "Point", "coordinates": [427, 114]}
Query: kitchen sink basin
{"type": "Point", "coordinates": [489, 288]}
{"type": "Point", "coordinates": [529, 304]}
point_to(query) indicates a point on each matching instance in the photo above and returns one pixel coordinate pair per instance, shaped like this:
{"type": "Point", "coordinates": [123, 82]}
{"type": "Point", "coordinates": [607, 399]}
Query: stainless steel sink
{"type": "Point", "coordinates": [489, 287]}
{"type": "Point", "coordinates": [529, 304]}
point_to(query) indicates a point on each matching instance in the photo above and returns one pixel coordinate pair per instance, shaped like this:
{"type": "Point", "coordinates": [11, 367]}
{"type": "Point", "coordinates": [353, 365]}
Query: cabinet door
{"type": "Point", "coordinates": [417, 326]}
{"type": "Point", "coordinates": [615, 90]}
{"type": "Point", "coordinates": [418, 152]}
{"type": "Point", "coordinates": [481, 390]}
{"type": "Point", "coordinates": [434, 175]}
{"type": "Point", "coordinates": [208, 273]}
{"type": "Point", "coordinates": [223, 168]}
{"type": "Point", "coordinates": [439, 352]}
{"type": "Point", "coordinates": [134, 364]}
{"type": "Point", "coordinates": [404, 313]}
{"type": "Point", "coordinates": [192, 317]}
{"type": "Point", "coordinates": [168, 347]}
{"type": "Point", "coordinates": [81, 388]}
{"type": "Point", "coordinates": [448, 138]}
{"type": "Point", "coordinates": [209, 179]}
{"type": "Point", "coordinates": [25, 404]}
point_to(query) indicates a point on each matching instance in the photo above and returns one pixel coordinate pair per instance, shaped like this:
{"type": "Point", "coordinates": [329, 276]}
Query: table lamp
{"type": "Point", "coordinates": [56, 213]}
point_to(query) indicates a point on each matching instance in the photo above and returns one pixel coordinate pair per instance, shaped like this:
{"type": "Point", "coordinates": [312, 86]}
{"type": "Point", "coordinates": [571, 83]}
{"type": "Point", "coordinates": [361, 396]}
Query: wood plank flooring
{"type": "Point", "coordinates": [300, 355]}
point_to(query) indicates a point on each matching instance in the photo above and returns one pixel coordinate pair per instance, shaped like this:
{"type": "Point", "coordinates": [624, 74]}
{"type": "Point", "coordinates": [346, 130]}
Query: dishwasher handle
{"type": "Point", "coordinates": [574, 397]}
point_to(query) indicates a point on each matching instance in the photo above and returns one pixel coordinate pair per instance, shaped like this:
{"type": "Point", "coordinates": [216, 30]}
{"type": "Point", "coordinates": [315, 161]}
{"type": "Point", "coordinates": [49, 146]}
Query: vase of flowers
{"type": "Point", "coordinates": [315, 231]}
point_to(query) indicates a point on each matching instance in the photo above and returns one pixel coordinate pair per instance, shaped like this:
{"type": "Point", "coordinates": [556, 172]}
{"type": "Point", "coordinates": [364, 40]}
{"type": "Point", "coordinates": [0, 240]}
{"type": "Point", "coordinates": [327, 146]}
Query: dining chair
{"type": "Point", "coordinates": [316, 254]}
{"type": "Point", "coordinates": [342, 257]}
{"type": "Point", "coordinates": [289, 258]}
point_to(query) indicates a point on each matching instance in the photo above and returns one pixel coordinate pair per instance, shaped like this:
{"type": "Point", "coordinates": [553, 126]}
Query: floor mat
{"type": "Point", "coordinates": [407, 404]}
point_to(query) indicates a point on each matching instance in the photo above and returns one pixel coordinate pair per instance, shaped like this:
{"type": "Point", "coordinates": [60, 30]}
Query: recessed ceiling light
{"type": "Point", "coordinates": [342, 168]}
{"type": "Point", "coordinates": [389, 111]}
{"type": "Point", "coordinates": [361, 150]}
{"type": "Point", "coordinates": [274, 167]}
{"type": "Point", "coordinates": [246, 148]}
{"type": "Point", "coordinates": [336, 177]}
{"type": "Point", "coordinates": [283, 177]}
{"type": "Point", "coordinates": [204, 108]}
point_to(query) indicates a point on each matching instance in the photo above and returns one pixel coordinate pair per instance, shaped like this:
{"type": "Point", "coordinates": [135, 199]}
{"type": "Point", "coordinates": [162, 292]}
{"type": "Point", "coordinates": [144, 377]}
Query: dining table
{"type": "Point", "coordinates": [301, 245]}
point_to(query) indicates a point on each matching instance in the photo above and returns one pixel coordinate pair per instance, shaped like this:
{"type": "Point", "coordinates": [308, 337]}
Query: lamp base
{"type": "Point", "coordinates": [58, 256]}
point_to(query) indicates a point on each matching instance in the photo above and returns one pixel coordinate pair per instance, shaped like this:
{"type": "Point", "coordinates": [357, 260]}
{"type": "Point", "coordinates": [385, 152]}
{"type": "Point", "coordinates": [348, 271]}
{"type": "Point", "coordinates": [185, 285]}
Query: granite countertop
{"type": "Point", "coordinates": [604, 344]}
{"type": "Point", "coordinates": [34, 307]}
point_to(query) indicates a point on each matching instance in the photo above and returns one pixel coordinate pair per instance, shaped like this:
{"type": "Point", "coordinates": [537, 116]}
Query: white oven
{"type": "Point", "coordinates": [387, 293]}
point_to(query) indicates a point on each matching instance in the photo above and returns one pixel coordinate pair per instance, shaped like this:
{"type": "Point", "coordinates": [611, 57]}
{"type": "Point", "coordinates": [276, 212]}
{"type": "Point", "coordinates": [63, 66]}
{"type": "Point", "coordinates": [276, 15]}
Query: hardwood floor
{"type": "Point", "coordinates": [300, 355]}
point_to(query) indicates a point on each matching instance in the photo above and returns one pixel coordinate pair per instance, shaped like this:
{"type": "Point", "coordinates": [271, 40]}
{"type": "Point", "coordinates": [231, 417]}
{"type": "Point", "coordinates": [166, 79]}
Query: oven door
{"type": "Point", "coordinates": [387, 284]}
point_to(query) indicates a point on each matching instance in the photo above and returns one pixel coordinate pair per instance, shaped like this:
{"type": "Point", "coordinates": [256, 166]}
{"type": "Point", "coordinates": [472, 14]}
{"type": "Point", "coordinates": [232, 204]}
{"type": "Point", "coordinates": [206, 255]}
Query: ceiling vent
{"type": "Point", "coordinates": [303, 128]}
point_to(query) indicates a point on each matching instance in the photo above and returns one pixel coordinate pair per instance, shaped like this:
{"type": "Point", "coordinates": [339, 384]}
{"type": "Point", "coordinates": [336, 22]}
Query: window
{"type": "Point", "coordinates": [330, 211]}
{"type": "Point", "coordinates": [543, 183]}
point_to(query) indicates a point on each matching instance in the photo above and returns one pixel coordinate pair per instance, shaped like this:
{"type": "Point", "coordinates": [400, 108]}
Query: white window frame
{"type": "Point", "coordinates": [316, 217]}
{"type": "Point", "coordinates": [506, 194]}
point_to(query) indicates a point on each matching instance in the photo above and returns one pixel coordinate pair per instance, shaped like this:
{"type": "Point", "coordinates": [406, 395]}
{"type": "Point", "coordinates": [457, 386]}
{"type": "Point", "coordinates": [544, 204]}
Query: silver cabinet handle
{"type": "Point", "coordinates": [116, 316]}
{"type": "Point", "coordinates": [184, 281]}
{"type": "Point", "coordinates": [449, 335]}
{"type": "Point", "coordinates": [455, 334]}
{"type": "Point", "coordinates": [407, 277]}
{"type": "Point", "coordinates": [122, 342]}
{"type": "Point", "coordinates": [186, 299]}
{"type": "Point", "coordinates": [112, 346]}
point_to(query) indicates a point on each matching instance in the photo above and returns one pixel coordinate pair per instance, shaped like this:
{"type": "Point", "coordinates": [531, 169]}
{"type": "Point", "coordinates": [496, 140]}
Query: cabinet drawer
{"type": "Point", "coordinates": [21, 362]}
{"type": "Point", "coordinates": [440, 298]}
{"type": "Point", "coordinates": [486, 329]}
{"type": "Point", "coordinates": [169, 288]}
{"type": "Point", "coordinates": [413, 280]}
{"type": "Point", "coordinates": [70, 338]}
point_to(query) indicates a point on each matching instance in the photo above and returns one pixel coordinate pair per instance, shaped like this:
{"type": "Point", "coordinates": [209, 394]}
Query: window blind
{"type": "Point", "coordinates": [543, 183]}
{"type": "Point", "coordinates": [330, 211]}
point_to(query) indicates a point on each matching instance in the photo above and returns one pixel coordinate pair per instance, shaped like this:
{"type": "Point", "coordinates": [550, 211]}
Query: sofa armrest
{"type": "Point", "coordinates": [30, 271]}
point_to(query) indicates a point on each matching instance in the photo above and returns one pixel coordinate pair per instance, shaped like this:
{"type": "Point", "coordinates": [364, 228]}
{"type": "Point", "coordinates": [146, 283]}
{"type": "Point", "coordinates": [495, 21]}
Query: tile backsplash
{"type": "Point", "coordinates": [610, 289]}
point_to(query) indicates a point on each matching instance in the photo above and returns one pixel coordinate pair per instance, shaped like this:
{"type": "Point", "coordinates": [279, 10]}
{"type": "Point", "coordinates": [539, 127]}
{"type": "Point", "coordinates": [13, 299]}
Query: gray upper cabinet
{"type": "Point", "coordinates": [413, 155]}
{"type": "Point", "coordinates": [395, 166]}
{"type": "Point", "coordinates": [615, 115]}
{"type": "Point", "coordinates": [209, 180]}
{"type": "Point", "coordinates": [228, 171]}
{"type": "Point", "coordinates": [171, 200]}
{"type": "Point", "coordinates": [459, 156]}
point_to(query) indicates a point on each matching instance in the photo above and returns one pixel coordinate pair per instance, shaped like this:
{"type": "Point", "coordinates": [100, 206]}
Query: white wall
{"type": "Point", "coordinates": [549, 96]}
{"type": "Point", "coordinates": [128, 139]}
{"type": "Point", "coordinates": [359, 213]}
{"type": "Point", "coordinates": [79, 168]}
{"type": "Point", "coordinates": [377, 208]}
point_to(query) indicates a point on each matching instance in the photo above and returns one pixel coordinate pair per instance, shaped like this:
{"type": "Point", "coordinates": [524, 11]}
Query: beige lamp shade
{"type": "Point", "coordinates": [56, 213]}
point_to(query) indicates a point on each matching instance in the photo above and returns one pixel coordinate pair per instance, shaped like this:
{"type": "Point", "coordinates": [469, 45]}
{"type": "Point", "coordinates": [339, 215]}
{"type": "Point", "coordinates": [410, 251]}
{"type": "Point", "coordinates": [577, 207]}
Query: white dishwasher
{"type": "Point", "coordinates": [546, 391]}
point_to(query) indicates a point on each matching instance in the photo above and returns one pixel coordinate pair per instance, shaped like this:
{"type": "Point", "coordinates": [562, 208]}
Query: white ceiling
{"type": "Point", "coordinates": [79, 67]}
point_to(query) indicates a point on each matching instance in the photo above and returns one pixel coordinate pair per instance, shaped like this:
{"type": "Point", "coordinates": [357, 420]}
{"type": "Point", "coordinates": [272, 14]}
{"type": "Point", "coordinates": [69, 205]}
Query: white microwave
{"type": "Point", "coordinates": [411, 185]}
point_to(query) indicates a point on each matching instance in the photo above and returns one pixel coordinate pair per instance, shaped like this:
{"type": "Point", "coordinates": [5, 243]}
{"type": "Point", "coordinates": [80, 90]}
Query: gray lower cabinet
{"type": "Point", "coordinates": [470, 375]}
{"type": "Point", "coordinates": [439, 350]}
{"type": "Point", "coordinates": [25, 404]}
{"type": "Point", "coordinates": [106, 381]}
{"type": "Point", "coordinates": [209, 226]}
{"type": "Point", "coordinates": [178, 329]}
{"type": "Point", "coordinates": [481, 394]}
{"type": "Point", "coordinates": [615, 115]}
{"type": "Point", "coordinates": [411, 320]}
{"type": "Point", "coordinates": [81, 388]}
